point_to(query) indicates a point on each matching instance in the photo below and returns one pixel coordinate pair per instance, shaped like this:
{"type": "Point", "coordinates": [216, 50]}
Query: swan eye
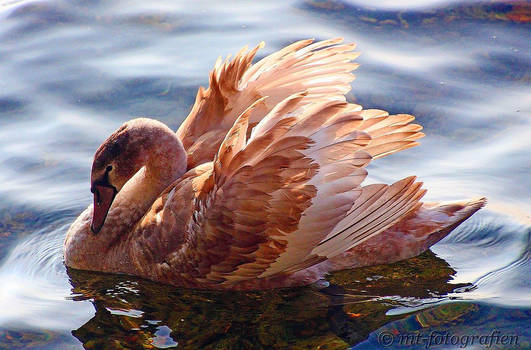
{"type": "Point", "coordinates": [109, 168]}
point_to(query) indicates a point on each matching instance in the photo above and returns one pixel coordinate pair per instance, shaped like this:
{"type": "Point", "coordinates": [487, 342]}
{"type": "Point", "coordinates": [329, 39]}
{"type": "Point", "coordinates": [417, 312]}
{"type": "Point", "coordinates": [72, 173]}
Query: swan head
{"type": "Point", "coordinates": [137, 143]}
{"type": "Point", "coordinates": [115, 162]}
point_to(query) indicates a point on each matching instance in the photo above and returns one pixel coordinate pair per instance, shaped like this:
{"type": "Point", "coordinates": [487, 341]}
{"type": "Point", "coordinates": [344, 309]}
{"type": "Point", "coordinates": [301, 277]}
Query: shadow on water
{"type": "Point", "coordinates": [133, 313]}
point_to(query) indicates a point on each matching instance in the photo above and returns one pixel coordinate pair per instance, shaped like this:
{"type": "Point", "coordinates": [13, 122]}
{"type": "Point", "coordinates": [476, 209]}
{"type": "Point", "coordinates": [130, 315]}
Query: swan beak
{"type": "Point", "coordinates": [103, 198]}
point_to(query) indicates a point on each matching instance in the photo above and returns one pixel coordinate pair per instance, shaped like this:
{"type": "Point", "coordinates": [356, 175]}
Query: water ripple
{"type": "Point", "coordinates": [73, 71]}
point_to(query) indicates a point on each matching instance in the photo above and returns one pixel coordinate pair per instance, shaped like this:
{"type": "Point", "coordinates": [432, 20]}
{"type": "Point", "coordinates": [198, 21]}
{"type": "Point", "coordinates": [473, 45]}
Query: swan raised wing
{"type": "Point", "coordinates": [288, 196]}
{"type": "Point", "coordinates": [323, 69]}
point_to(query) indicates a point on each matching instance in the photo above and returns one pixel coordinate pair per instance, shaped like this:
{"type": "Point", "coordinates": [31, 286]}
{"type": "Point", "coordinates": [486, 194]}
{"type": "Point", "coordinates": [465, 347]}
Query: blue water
{"type": "Point", "coordinates": [72, 71]}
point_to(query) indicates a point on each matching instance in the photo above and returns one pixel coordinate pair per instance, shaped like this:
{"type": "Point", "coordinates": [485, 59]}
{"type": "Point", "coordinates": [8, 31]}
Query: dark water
{"type": "Point", "coordinates": [73, 71]}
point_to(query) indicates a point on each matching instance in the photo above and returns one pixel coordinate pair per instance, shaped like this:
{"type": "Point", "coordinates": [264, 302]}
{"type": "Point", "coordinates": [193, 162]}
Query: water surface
{"type": "Point", "coordinates": [73, 71]}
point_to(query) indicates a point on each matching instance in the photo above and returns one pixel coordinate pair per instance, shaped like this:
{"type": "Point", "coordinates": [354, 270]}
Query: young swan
{"type": "Point", "coordinates": [257, 192]}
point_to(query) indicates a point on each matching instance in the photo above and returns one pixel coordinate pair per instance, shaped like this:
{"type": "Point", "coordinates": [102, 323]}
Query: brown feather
{"type": "Point", "coordinates": [276, 161]}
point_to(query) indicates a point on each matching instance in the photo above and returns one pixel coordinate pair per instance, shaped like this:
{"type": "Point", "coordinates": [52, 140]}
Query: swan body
{"type": "Point", "coordinates": [261, 186]}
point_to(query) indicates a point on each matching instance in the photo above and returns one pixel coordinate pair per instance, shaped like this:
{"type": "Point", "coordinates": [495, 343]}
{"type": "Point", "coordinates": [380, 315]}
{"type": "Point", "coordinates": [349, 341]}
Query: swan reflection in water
{"type": "Point", "coordinates": [135, 313]}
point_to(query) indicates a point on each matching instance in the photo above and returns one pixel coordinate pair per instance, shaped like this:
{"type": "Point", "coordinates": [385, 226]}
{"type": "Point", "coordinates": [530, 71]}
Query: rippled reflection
{"type": "Point", "coordinates": [134, 312]}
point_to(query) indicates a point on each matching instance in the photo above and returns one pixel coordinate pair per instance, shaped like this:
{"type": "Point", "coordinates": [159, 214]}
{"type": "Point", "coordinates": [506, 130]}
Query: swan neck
{"type": "Point", "coordinates": [160, 159]}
